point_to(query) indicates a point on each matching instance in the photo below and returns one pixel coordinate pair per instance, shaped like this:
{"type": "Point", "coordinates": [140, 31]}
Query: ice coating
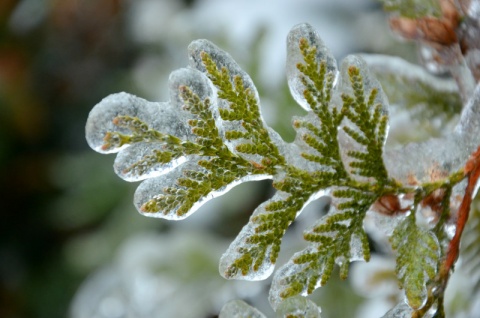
{"type": "Point", "coordinates": [294, 56]}
{"type": "Point", "coordinates": [193, 79]}
{"type": "Point", "coordinates": [370, 83]}
{"type": "Point", "coordinates": [224, 60]}
{"type": "Point", "coordinates": [281, 277]}
{"type": "Point", "coordinates": [402, 70]}
{"type": "Point", "coordinates": [239, 309]}
{"type": "Point", "coordinates": [469, 123]}
{"type": "Point", "coordinates": [160, 116]}
{"type": "Point", "coordinates": [139, 162]}
{"type": "Point", "coordinates": [240, 242]}
{"type": "Point", "coordinates": [299, 145]}
{"type": "Point", "coordinates": [298, 306]}
{"type": "Point", "coordinates": [154, 187]}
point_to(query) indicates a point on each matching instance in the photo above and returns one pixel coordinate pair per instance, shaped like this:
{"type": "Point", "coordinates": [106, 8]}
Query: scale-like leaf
{"type": "Point", "coordinates": [418, 252]}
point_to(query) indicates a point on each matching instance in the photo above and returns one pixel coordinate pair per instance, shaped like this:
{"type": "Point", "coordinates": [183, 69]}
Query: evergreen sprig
{"type": "Point", "coordinates": [244, 109]}
{"type": "Point", "coordinates": [332, 240]}
{"type": "Point", "coordinates": [219, 165]}
{"type": "Point", "coordinates": [418, 251]}
{"type": "Point", "coordinates": [339, 237]}
{"type": "Point", "coordinates": [339, 152]}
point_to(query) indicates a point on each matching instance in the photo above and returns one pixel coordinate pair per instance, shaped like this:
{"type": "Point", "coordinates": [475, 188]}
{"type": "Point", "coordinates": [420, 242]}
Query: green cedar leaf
{"type": "Point", "coordinates": [418, 252]}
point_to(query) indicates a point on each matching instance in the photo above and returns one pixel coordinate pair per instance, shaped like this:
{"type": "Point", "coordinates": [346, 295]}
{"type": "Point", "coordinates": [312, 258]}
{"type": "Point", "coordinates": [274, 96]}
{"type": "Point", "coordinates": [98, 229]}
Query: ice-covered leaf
{"type": "Point", "coordinates": [302, 61]}
{"type": "Point", "coordinates": [365, 127]}
{"type": "Point", "coordinates": [252, 255]}
{"type": "Point", "coordinates": [211, 136]}
{"type": "Point", "coordinates": [418, 251]}
{"type": "Point", "coordinates": [411, 86]}
{"type": "Point", "coordinates": [239, 309]}
{"type": "Point", "coordinates": [337, 238]}
{"type": "Point", "coordinates": [186, 164]}
{"type": "Point", "coordinates": [243, 129]}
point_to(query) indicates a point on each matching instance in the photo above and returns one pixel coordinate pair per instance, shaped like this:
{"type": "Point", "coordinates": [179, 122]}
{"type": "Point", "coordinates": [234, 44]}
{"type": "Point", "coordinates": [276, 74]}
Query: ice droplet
{"type": "Point", "coordinates": [298, 306]}
{"type": "Point", "coordinates": [239, 309]}
{"type": "Point", "coordinates": [294, 56]}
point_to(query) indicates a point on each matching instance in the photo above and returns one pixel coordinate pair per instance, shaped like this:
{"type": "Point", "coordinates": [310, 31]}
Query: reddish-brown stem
{"type": "Point", "coordinates": [472, 172]}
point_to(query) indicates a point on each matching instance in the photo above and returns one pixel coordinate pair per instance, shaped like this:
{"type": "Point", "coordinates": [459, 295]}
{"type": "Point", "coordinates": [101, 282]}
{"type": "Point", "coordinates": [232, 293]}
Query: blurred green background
{"type": "Point", "coordinates": [66, 217]}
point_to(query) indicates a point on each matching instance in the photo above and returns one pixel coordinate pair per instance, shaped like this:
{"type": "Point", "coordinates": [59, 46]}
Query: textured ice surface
{"type": "Point", "coordinates": [138, 161]}
{"type": "Point", "coordinates": [294, 56]}
{"type": "Point", "coordinates": [239, 309]}
{"type": "Point", "coordinates": [298, 306]}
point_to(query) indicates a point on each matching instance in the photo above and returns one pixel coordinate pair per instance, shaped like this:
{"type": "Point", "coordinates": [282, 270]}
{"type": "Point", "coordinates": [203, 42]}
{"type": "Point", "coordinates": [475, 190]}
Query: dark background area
{"type": "Point", "coordinates": [51, 73]}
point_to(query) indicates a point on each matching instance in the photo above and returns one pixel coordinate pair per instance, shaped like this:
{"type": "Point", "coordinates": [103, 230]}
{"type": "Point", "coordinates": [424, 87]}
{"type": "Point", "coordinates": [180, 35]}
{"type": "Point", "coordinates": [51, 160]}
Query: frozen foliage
{"type": "Point", "coordinates": [211, 136]}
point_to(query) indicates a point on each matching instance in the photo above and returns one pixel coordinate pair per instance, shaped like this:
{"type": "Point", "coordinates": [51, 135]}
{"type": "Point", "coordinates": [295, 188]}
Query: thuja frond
{"type": "Point", "coordinates": [251, 137]}
{"type": "Point", "coordinates": [259, 247]}
{"type": "Point", "coordinates": [211, 136]}
{"type": "Point", "coordinates": [414, 272]}
{"type": "Point", "coordinates": [369, 130]}
{"type": "Point", "coordinates": [337, 238]}
{"type": "Point", "coordinates": [318, 84]}
{"type": "Point", "coordinates": [219, 168]}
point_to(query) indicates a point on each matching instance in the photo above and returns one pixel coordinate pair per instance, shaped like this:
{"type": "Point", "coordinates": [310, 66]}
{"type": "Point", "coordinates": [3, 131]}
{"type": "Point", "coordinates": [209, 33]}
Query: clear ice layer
{"type": "Point", "coordinates": [224, 60]}
{"type": "Point", "coordinates": [154, 188]}
{"type": "Point", "coordinates": [160, 116]}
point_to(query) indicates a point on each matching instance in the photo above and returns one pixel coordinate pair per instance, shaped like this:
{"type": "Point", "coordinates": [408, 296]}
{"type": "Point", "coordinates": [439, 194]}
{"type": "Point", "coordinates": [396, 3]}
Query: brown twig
{"type": "Point", "coordinates": [472, 172]}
